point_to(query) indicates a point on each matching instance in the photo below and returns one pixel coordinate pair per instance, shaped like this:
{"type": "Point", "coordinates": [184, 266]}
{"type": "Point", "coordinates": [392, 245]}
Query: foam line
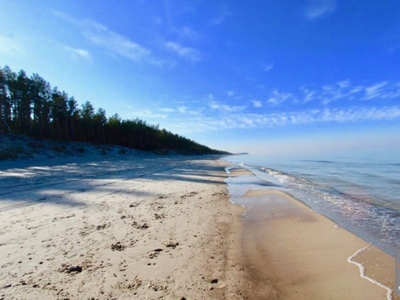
{"type": "Point", "coordinates": [362, 272]}
{"type": "Point", "coordinates": [227, 170]}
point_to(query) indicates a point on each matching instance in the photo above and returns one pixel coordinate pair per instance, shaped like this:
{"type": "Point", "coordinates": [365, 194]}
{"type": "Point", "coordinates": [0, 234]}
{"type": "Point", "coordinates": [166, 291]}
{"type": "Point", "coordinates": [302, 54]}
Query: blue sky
{"type": "Point", "coordinates": [260, 76]}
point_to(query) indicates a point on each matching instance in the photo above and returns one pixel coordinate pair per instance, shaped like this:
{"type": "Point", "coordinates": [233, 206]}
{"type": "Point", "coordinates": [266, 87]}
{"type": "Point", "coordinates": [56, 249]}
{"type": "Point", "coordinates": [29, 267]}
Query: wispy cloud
{"type": "Point", "coordinates": [343, 84]}
{"type": "Point", "coordinates": [226, 13]}
{"type": "Point", "coordinates": [267, 67]}
{"type": "Point", "coordinates": [340, 90]}
{"type": "Point", "coordinates": [9, 46]}
{"type": "Point", "coordinates": [68, 18]}
{"type": "Point", "coordinates": [185, 52]}
{"type": "Point", "coordinates": [224, 107]}
{"type": "Point", "coordinates": [187, 111]}
{"type": "Point", "coordinates": [346, 91]}
{"type": "Point", "coordinates": [187, 33]}
{"type": "Point", "coordinates": [215, 105]}
{"type": "Point", "coordinates": [147, 114]}
{"type": "Point", "coordinates": [308, 95]}
{"type": "Point", "coordinates": [376, 90]}
{"type": "Point", "coordinates": [217, 115]}
{"type": "Point", "coordinates": [167, 109]}
{"type": "Point", "coordinates": [78, 53]}
{"type": "Point", "coordinates": [359, 114]}
{"type": "Point", "coordinates": [319, 8]}
{"type": "Point", "coordinates": [117, 44]}
{"type": "Point", "coordinates": [277, 98]}
{"type": "Point", "coordinates": [241, 120]}
{"type": "Point", "coordinates": [257, 103]}
{"type": "Point", "coordinates": [111, 41]}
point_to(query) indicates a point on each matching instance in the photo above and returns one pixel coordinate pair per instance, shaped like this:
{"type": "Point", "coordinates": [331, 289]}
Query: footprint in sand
{"type": "Point", "coordinates": [159, 216]}
{"type": "Point", "coordinates": [7, 265]}
{"type": "Point", "coordinates": [118, 247]}
{"type": "Point", "coordinates": [140, 226]}
{"type": "Point", "coordinates": [191, 194]}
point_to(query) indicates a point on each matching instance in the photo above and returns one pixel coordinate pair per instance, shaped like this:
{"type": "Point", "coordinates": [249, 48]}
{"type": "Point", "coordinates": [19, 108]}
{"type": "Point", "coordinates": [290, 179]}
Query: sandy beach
{"type": "Point", "coordinates": [153, 227]}
{"type": "Point", "coordinates": [131, 228]}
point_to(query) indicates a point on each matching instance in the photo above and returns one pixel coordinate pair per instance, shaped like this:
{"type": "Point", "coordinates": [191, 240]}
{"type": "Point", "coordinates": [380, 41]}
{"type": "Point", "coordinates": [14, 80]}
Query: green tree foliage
{"type": "Point", "coordinates": [4, 103]}
{"type": "Point", "coordinates": [40, 96]}
{"type": "Point", "coordinates": [28, 105]}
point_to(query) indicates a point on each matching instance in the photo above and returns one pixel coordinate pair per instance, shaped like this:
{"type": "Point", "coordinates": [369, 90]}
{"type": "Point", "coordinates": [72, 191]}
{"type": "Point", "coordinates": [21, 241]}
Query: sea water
{"type": "Point", "coordinates": [360, 193]}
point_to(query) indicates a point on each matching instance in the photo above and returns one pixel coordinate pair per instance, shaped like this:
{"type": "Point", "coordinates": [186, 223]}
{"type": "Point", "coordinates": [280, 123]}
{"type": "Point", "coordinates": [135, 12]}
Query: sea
{"type": "Point", "coordinates": [359, 192]}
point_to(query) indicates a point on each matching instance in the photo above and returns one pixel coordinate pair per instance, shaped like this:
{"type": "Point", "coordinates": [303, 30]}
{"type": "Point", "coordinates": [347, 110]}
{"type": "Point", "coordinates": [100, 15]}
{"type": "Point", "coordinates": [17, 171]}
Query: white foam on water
{"type": "Point", "coordinates": [362, 272]}
{"type": "Point", "coordinates": [227, 169]}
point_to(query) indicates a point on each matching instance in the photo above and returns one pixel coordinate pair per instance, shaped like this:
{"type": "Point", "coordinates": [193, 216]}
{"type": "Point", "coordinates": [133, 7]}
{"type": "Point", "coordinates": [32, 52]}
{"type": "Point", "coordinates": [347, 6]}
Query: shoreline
{"type": "Point", "coordinates": [295, 253]}
{"type": "Point", "coordinates": [369, 209]}
{"type": "Point", "coordinates": [146, 227]}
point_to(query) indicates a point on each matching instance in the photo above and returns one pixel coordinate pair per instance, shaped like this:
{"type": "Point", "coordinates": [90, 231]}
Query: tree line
{"type": "Point", "coordinates": [30, 106]}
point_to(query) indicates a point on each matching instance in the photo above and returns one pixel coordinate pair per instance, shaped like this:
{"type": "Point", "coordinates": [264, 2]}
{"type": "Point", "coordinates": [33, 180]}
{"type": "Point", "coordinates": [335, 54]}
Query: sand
{"type": "Point", "coordinates": [151, 227]}
{"type": "Point", "coordinates": [291, 252]}
{"type": "Point", "coordinates": [143, 227]}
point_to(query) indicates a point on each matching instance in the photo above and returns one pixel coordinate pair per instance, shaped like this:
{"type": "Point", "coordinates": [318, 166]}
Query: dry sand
{"type": "Point", "coordinates": [133, 228]}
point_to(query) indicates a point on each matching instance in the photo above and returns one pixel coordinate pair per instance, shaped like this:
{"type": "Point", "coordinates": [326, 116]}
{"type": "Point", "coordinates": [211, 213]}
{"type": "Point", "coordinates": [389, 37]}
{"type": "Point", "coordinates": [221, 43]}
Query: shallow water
{"type": "Point", "coordinates": [359, 193]}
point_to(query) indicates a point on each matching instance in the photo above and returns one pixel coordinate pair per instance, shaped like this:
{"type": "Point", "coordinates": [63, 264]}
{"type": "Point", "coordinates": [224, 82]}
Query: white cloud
{"type": "Point", "coordinates": [278, 98]}
{"type": "Point", "coordinates": [79, 53]}
{"type": "Point", "coordinates": [360, 114]}
{"type": "Point", "coordinates": [375, 90]}
{"type": "Point", "coordinates": [256, 103]}
{"type": "Point", "coordinates": [111, 41]}
{"type": "Point", "coordinates": [188, 33]}
{"type": "Point", "coordinates": [340, 91]}
{"type": "Point", "coordinates": [222, 17]}
{"type": "Point", "coordinates": [319, 8]}
{"type": "Point", "coordinates": [226, 117]}
{"type": "Point", "coordinates": [389, 92]}
{"type": "Point", "coordinates": [221, 116]}
{"type": "Point", "coordinates": [117, 44]}
{"type": "Point", "coordinates": [267, 68]}
{"type": "Point", "coordinates": [185, 52]}
{"type": "Point", "coordinates": [9, 46]}
{"type": "Point", "coordinates": [356, 89]}
{"type": "Point", "coordinates": [309, 95]}
{"type": "Point", "coordinates": [184, 110]}
{"type": "Point", "coordinates": [67, 18]}
{"type": "Point", "coordinates": [146, 113]}
{"type": "Point", "coordinates": [187, 111]}
{"type": "Point", "coordinates": [230, 93]}
{"type": "Point", "coordinates": [173, 10]}
{"type": "Point", "coordinates": [250, 120]}
{"type": "Point", "coordinates": [224, 107]}
{"type": "Point", "coordinates": [167, 109]}
{"type": "Point", "coordinates": [344, 84]}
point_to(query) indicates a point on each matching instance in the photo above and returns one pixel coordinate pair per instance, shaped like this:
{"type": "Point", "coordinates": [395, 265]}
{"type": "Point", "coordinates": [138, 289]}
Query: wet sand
{"type": "Point", "coordinates": [291, 252]}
